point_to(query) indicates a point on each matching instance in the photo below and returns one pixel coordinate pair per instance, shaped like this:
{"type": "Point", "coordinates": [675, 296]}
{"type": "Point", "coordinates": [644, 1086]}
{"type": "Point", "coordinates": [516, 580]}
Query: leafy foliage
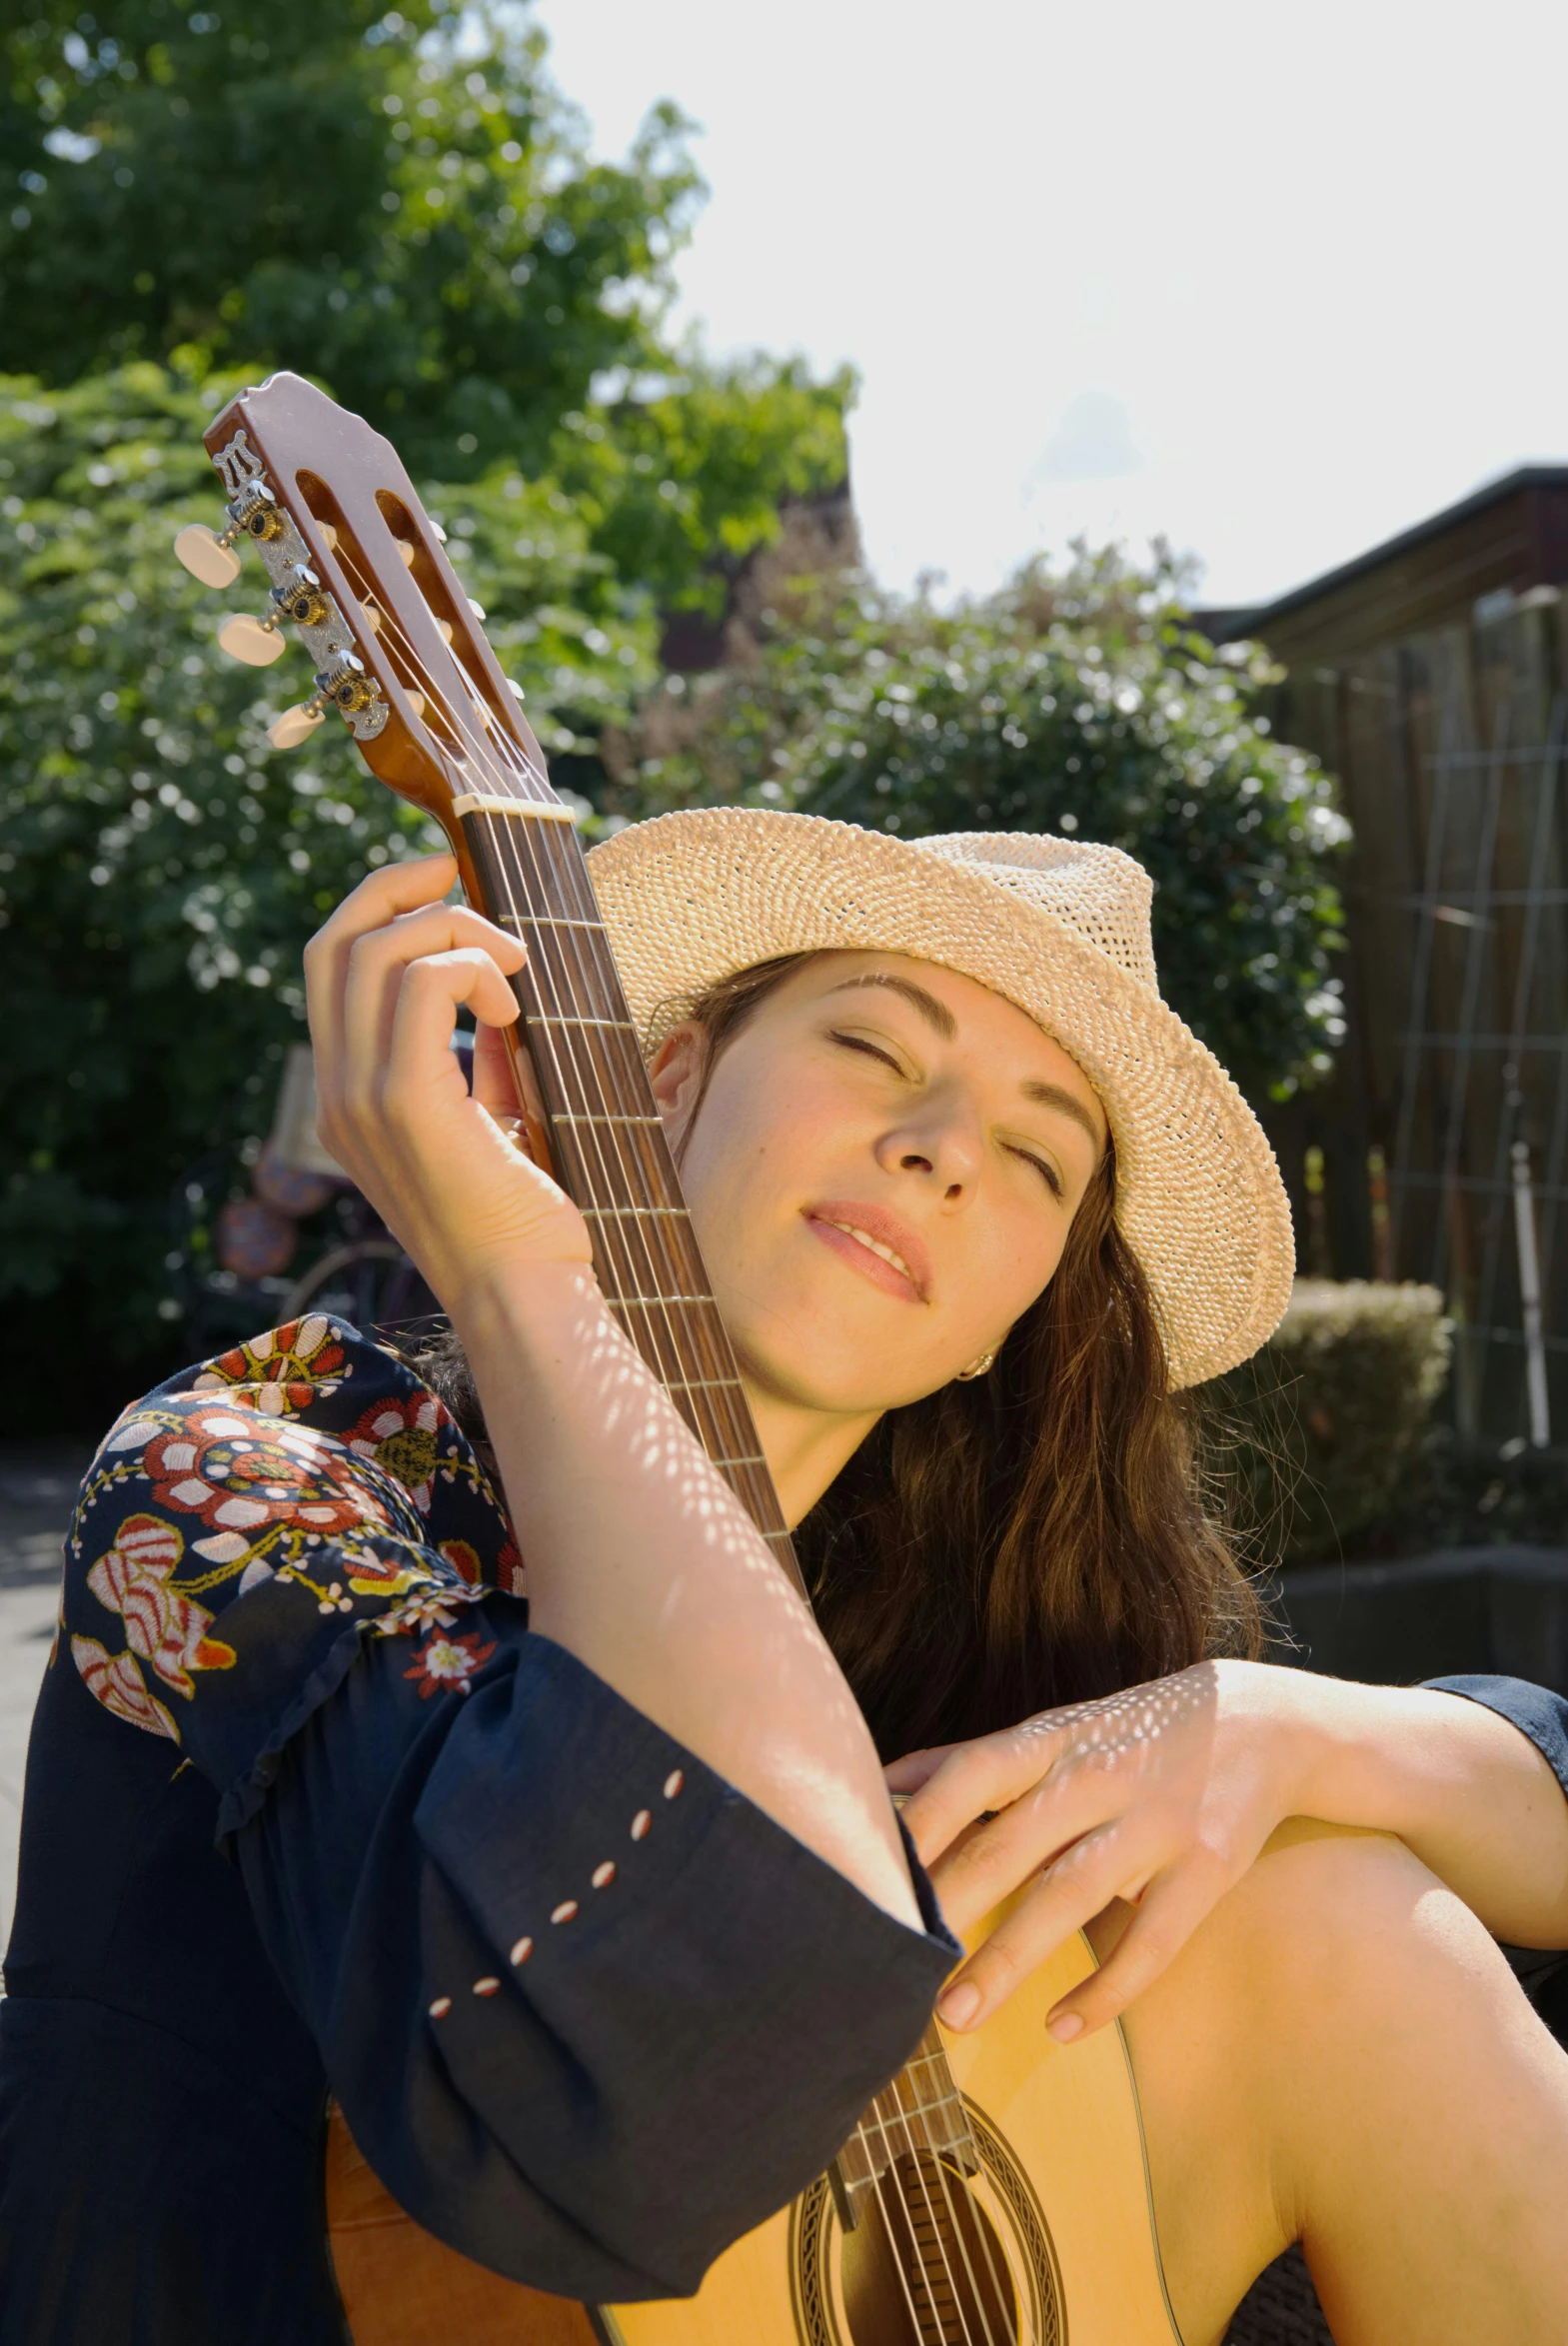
{"type": "Point", "coordinates": [414, 219]}
{"type": "Point", "coordinates": [1084, 704]}
{"type": "Point", "coordinates": [161, 864]}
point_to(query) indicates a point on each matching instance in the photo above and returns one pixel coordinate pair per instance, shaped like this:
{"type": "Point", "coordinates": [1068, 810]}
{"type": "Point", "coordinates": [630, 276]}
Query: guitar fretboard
{"type": "Point", "coordinates": [612, 1157]}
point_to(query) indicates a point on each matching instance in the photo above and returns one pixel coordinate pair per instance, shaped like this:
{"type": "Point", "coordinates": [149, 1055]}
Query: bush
{"type": "Point", "coordinates": [1324, 1428]}
{"type": "Point", "coordinates": [161, 866]}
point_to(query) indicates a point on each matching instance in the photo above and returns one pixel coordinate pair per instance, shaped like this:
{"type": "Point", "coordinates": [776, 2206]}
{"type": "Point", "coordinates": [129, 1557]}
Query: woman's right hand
{"type": "Point", "coordinates": [383, 980]}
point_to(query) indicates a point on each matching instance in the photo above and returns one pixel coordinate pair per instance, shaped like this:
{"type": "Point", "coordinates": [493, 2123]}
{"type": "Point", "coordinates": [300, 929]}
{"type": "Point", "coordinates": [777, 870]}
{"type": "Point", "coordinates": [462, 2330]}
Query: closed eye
{"type": "Point", "coordinates": [1048, 1173]}
{"type": "Point", "coordinates": [871, 1050]}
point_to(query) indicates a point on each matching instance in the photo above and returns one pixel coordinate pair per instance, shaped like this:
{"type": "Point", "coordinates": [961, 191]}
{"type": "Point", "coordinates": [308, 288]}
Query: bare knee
{"type": "Point", "coordinates": [1339, 2028]}
{"type": "Point", "coordinates": [1331, 1919]}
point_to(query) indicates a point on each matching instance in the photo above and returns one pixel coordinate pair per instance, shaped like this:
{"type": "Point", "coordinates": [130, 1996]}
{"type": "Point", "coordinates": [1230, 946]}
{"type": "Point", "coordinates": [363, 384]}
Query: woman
{"type": "Point", "coordinates": [964, 1188]}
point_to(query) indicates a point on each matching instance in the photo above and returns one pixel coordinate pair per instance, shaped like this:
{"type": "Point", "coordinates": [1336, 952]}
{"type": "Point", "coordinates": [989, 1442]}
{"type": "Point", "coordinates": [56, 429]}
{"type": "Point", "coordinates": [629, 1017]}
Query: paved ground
{"type": "Point", "coordinates": [37, 1490]}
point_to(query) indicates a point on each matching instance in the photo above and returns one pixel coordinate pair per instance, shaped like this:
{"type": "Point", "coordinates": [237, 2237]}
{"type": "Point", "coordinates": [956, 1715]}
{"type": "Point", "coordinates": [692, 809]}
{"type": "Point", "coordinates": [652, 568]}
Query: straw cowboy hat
{"type": "Point", "coordinates": [1058, 926]}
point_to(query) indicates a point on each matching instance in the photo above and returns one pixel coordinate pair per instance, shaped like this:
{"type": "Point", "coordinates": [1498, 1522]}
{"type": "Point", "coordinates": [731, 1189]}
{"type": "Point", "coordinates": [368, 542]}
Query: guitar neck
{"type": "Point", "coordinates": [607, 1136]}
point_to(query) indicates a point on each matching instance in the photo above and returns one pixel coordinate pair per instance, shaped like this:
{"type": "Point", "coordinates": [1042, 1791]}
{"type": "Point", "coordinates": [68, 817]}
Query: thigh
{"type": "Point", "coordinates": [1340, 2056]}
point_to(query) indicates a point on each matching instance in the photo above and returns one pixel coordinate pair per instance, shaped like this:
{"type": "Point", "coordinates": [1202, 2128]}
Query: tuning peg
{"type": "Point", "coordinates": [295, 724]}
{"type": "Point", "coordinates": [514, 688]}
{"type": "Point", "coordinates": [444, 630]}
{"type": "Point", "coordinates": [256, 642]}
{"type": "Point", "coordinates": [207, 557]}
{"type": "Point", "coordinates": [478, 609]}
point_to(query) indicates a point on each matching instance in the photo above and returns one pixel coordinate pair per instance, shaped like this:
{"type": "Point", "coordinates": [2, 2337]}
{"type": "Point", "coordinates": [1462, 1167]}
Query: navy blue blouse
{"type": "Point", "coordinates": [308, 1806]}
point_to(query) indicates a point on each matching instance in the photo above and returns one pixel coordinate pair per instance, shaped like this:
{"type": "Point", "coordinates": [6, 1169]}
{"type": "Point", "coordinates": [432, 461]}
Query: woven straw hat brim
{"type": "Point", "coordinates": [693, 896]}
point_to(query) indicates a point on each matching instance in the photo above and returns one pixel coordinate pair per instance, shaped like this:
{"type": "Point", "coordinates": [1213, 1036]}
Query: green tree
{"type": "Point", "coordinates": [161, 864]}
{"type": "Point", "coordinates": [401, 206]}
{"type": "Point", "coordinates": [1084, 704]}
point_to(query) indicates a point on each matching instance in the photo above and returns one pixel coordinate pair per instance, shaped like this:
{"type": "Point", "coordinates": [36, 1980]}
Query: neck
{"type": "Point", "coordinates": [804, 1447]}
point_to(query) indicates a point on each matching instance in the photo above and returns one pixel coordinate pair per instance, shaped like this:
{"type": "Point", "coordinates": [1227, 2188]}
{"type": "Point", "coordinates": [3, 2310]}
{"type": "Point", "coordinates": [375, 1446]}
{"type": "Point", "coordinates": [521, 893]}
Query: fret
{"type": "Point", "coordinates": [654, 1303]}
{"type": "Point", "coordinates": [709, 1384]}
{"type": "Point", "coordinates": [753, 1461]}
{"type": "Point", "coordinates": [901, 2116]}
{"type": "Point", "coordinates": [622, 1213]}
{"type": "Point", "coordinates": [545, 921]}
{"type": "Point", "coordinates": [562, 1116]}
{"type": "Point", "coordinates": [560, 1018]}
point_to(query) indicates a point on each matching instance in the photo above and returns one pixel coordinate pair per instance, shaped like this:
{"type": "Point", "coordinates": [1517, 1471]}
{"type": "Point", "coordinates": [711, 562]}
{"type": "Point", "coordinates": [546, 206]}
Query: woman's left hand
{"type": "Point", "coordinates": [1162, 1795]}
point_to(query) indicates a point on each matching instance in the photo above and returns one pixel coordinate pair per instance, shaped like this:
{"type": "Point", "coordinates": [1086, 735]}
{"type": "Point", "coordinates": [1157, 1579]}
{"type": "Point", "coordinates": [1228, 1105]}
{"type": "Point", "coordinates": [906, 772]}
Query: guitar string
{"type": "Point", "coordinates": [491, 766]}
{"type": "Point", "coordinates": [955, 2230]}
{"type": "Point", "coordinates": [482, 740]}
{"type": "Point", "coordinates": [657, 1288]}
{"type": "Point", "coordinates": [661, 1234]}
{"type": "Point", "coordinates": [654, 1231]}
{"type": "Point", "coordinates": [492, 752]}
{"type": "Point", "coordinates": [478, 738]}
{"type": "Point", "coordinates": [951, 2186]}
{"type": "Point", "coordinates": [940, 2232]}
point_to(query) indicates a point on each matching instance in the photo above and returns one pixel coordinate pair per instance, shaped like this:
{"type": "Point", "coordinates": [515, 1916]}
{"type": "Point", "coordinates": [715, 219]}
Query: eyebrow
{"type": "Point", "coordinates": [1065, 1103]}
{"type": "Point", "coordinates": [935, 1013]}
{"type": "Point", "coordinates": [941, 1018]}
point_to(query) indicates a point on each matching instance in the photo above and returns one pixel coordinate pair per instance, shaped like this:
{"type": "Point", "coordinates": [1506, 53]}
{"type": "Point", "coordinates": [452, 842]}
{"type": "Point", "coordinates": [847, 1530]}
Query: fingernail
{"type": "Point", "coordinates": [1065, 2026]}
{"type": "Point", "coordinates": [959, 2005]}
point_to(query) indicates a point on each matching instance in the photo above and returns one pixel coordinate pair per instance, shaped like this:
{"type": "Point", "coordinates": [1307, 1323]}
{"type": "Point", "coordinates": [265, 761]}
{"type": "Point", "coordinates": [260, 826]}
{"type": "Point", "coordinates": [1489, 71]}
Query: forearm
{"type": "Point", "coordinates": [1462, 1787]}
{"type": "Point", "coordinates": [642, 1562]}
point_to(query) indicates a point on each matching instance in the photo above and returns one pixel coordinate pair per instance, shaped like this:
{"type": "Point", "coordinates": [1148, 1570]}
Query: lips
{"type": "Point", "coordinates": [877, 1243]}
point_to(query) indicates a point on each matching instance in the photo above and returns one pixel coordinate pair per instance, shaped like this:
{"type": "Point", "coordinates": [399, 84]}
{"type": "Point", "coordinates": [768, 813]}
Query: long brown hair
{"type": "Point", "coordinates": [1038, 1535]}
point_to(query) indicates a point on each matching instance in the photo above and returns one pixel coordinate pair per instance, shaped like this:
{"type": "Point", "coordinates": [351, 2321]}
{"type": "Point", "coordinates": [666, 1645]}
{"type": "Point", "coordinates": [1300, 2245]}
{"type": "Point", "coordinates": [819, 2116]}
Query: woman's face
{"type": "Point", "coordinates": [882, 1175]}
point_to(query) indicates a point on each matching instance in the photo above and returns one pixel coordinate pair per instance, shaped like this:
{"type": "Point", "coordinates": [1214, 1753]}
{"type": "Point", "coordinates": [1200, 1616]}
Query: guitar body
{"type": "Point", "coordinates": [1064, 2188]}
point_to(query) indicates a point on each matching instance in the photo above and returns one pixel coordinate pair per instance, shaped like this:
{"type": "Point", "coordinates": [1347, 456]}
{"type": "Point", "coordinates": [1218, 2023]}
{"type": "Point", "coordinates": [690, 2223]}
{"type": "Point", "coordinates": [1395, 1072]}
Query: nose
{"type": "Point", "coordinates": [939, 1143]}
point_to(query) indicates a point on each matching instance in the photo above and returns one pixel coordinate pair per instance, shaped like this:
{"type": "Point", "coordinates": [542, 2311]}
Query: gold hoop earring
{"type": "Point", "coordinates": [977, 1367]}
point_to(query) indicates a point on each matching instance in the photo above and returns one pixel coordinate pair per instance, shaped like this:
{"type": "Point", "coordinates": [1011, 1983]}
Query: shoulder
{"type": "Point", "coordinates": [310, 1458]}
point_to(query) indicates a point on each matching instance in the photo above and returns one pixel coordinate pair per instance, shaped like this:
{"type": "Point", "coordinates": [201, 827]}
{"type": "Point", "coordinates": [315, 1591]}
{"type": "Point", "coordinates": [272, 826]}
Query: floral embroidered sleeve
{"type": "Point", "coordinates": [590, 2014]}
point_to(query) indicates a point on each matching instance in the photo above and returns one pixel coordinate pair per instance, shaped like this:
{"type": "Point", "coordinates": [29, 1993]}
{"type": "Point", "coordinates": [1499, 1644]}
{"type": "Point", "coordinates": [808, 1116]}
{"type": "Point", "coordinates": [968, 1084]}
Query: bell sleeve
{"type": "Point", "coordinates": [589, 2012]}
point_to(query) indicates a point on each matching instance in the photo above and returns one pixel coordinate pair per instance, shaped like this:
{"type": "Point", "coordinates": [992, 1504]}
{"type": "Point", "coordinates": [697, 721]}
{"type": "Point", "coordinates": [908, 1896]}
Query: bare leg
{"type": "Point", "coordinates": [1341, 2056]}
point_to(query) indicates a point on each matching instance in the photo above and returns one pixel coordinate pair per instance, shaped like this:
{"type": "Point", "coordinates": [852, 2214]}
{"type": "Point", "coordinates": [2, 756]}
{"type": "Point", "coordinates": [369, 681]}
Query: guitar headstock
{"type": "Point", "coordinates": [357, 565]}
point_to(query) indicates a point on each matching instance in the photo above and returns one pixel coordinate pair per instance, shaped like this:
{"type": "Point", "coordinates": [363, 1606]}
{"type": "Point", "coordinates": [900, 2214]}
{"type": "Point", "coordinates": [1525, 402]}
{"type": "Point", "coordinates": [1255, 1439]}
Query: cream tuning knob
{"type": "Point", "coordinates": [207, 557]}
{"type": "Point", "coordinates": [288, 731]}
{"type": "Point", "coordinates": [256, 642]}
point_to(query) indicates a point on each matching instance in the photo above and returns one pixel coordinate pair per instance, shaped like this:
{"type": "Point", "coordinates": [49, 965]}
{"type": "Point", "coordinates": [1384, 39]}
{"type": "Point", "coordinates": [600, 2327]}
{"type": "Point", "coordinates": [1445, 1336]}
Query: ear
{"type": "Point", "coordinates": [677, 1072]}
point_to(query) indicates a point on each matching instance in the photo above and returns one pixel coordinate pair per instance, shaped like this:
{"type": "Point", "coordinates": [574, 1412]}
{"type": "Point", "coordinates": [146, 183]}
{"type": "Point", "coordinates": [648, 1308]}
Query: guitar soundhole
{"type": "Point", "coordinates": [938, 2258]}
{"type": "Point", "coordinates": [923, 2267]}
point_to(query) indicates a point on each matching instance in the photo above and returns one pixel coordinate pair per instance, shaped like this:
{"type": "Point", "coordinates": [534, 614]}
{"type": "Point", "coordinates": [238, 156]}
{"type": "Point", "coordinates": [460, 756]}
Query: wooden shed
{"type": "Point", "coordinates": [1431, 676]}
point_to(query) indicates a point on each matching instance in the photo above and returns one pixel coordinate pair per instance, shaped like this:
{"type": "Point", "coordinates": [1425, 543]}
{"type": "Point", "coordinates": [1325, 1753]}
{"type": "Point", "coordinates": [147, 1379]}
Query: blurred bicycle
{"type": "Point", "coordinates": [234, 1261]}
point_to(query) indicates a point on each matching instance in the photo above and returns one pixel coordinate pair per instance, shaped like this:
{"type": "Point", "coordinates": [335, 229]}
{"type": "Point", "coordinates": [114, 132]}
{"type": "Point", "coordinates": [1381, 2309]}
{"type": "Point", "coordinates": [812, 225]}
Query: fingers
{"type": "Point", "coordinates": [1170, 1913]}
{"type": "Point", "coordinates": [906, 1775]}
{"type": "Point", "coordinates": [1082, 1883]}
{"type": "Point", "coordinates": [397, 888]}
{"type": "Point", "coordinates": [495, 1087]}
{"type": "Point", "coordinates": [379, 964]}
{"type": "Point", "coordinates": [979, 1869]}
{"type": "Point", "coordinates": [973, 1779]}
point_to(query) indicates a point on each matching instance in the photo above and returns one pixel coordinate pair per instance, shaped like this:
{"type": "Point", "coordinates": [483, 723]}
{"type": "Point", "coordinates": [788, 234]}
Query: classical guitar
{"type": "Point", "coordinates": [996, 2194]}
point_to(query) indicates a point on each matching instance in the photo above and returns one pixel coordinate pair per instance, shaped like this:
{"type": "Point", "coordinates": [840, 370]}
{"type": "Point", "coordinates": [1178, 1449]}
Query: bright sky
{"type": "Point", "coordinates": [1274, 280]}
